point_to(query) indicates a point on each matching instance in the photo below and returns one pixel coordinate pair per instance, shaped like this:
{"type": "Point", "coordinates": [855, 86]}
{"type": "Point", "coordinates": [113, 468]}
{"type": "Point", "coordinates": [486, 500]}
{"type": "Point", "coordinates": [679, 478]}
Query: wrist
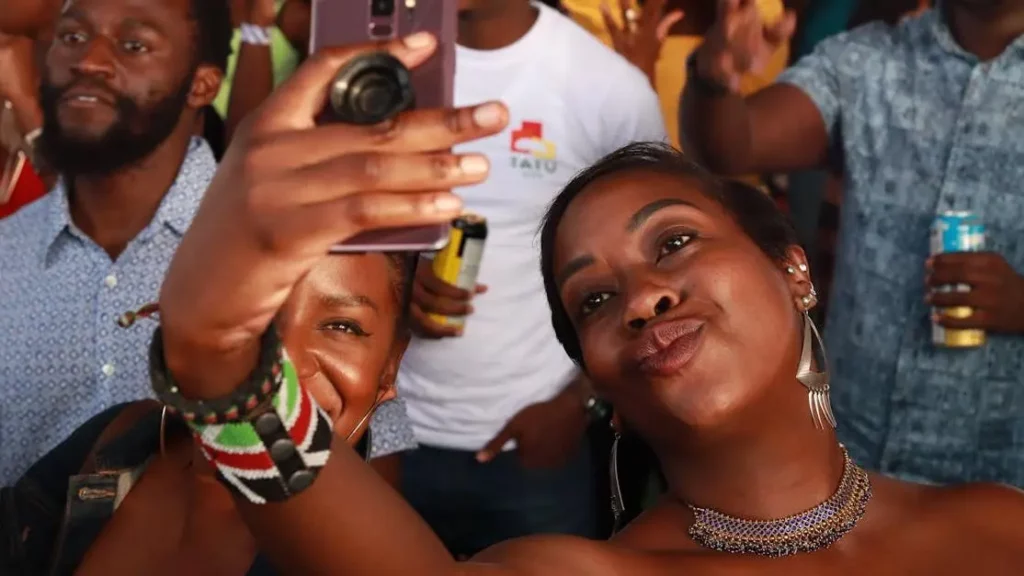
{"type": "Point", "coordinates": [254, 34]}
{"type": "Point", "coordinates": [203, 371]}
{"type": "Point", "coordinates": [700, 75]}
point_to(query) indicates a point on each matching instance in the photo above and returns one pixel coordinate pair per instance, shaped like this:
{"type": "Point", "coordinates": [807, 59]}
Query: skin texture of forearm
{"type": "Point", "coordinates": [349, 522]}
{"type": "Point", "coordinates": [716, 130]}
{"type": "Point", "coordinates": [253, 82]}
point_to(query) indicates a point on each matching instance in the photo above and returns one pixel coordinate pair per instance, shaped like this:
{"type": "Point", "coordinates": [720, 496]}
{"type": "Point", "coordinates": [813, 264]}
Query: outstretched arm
{"type": "Point", "coordinates": [285, 192]}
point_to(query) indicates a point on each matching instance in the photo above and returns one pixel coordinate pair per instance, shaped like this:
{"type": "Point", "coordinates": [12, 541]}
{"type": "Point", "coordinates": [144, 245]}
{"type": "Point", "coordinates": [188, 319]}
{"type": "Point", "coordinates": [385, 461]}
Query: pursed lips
{"type": "Point", "coordinates": [668, 345]}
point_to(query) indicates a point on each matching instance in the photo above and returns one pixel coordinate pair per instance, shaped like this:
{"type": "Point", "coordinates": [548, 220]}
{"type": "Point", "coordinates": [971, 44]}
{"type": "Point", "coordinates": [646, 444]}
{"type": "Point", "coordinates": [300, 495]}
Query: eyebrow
{"type": "Point", "coordinates": [644, 214]}
{"type": "Point", "coordinates": [79, 15]}
{"type": "Point", "coordinates": [574, 266]}
{"type": "Point", "coordinates": [346, 301]}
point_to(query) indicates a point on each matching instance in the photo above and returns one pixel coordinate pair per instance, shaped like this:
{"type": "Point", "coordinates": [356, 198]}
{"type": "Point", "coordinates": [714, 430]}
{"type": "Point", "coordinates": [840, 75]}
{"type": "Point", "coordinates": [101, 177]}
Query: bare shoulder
{"type": "Point", "coordinates": [982, 521]}
{"type": "Point", "coordinates": [545, 555]}
{"type": "Point", "coordinates": [995, 510]}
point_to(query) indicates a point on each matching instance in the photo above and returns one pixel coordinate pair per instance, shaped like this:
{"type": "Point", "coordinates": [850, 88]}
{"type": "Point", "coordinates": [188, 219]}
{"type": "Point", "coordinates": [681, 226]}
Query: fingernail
{"type": "Point", "coordinates": [447, 203]}
{"type": "Point", "coordinates": [488, 115]}
{"type": "Point", "coordinates": [419, 40]}
{"type": "Point", "coordinates": [474, 164]}
{"type": "Point", "coordinates": [481, 457]}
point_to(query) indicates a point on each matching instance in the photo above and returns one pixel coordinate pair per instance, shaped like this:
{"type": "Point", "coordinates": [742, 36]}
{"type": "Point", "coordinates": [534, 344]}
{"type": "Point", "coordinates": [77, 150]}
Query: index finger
{"type": "Point", "coordinates": [297, 102]}
{"type": "Point", "coordinates": [959, 259]}
{"type": "Point", "coordinates": [431, 283]}
{"type": "Point", "coordinates": [651, 14]}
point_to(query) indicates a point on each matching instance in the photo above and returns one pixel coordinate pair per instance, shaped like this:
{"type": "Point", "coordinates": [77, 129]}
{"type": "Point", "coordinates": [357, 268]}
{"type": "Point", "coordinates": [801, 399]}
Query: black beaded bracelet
{"type": "Point", "coordinates": [258, 388]}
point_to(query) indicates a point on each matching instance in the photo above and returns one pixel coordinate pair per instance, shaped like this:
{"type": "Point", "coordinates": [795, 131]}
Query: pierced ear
{"type": "Point", "coordinates": [205, 86]}
{"type": "Point", "coordinates": [798, 275]}
{"type": "Point", "coordinates": [390, 374]}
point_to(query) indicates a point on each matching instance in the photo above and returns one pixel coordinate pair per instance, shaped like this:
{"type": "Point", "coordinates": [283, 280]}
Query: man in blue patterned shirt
{"type": "Point", "coordinates": [925, 116]}
{"type": "Point", "coordinates": [123, 85]}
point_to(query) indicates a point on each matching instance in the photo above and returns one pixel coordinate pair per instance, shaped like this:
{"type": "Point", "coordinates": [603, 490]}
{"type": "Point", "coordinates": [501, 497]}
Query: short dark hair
{"type": "Point", "coordinates": [213, 32]}
{"type": "Point", "coordinates": [403, 271]}
{"type": "Point", "coordinates": [754, 211]}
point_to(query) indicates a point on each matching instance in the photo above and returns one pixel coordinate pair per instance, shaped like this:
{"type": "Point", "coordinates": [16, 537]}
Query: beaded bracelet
{"type": "Point", "coordinates": [275, 454]}
{"type": "Point", "coordinates": [268, 439]}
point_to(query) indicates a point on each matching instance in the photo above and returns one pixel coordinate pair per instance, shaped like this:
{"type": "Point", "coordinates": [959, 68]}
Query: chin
{"type": "Point", "coordinates": [704, 407]}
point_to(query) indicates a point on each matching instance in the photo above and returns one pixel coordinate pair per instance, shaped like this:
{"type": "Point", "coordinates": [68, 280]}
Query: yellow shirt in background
{"type": "Point", "coordinates": [670, 73]}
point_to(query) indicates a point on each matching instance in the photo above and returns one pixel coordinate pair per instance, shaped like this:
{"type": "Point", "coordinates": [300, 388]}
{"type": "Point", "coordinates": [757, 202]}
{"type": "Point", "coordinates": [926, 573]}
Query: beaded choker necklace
{"type": "Point", "coordinates": [808, 531]}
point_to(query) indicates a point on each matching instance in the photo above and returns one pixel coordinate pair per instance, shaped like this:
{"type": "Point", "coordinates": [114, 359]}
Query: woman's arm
{"type": "Point", "coordinates": [250, 244]}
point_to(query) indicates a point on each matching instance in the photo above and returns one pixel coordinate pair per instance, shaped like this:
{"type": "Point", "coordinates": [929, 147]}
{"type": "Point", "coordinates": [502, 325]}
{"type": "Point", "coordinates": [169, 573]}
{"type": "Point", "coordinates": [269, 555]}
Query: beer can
{"type": "Point", "coordinates": [957, 231]}
{"type": "Point", "coordinates": [458, 263]}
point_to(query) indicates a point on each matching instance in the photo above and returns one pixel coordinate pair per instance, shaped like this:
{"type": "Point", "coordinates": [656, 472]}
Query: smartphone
{"type": "Point", "coordinates": [343, 22]}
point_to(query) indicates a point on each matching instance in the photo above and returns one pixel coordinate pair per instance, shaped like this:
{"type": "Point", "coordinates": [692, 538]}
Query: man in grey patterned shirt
{"type": "Point", "coordinates": [925, 116]}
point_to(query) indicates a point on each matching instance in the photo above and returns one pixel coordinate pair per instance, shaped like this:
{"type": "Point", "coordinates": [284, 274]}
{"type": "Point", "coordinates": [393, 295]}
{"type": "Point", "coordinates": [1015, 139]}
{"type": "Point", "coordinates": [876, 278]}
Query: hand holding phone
{"type": "Point", "coordinates": [383, 88]}
{"type": "Point", "coordinates": [288, 189]}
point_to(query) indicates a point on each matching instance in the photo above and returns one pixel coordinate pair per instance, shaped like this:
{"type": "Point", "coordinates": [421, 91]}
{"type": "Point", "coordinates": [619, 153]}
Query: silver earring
{"type": "Point", "coordinates": [790, 270]}
{"type": "Point", "coordinates": [818, 398]}
{"type": "Point", "coordinates": [803, 267]}
{"type": "Point", "coordinates": [618, 506]}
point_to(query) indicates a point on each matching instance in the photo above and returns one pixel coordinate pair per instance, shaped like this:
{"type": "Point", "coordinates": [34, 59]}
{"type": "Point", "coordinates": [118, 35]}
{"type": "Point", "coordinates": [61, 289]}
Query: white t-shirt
{"type": "Point", "coordinates": [572, 100]}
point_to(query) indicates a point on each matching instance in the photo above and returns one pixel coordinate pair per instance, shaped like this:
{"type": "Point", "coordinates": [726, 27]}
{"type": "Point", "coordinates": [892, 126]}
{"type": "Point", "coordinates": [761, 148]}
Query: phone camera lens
{"type": "Point", "coordinates": [382, 7]}
{"type": "Point", "coordinates": [371, 89]}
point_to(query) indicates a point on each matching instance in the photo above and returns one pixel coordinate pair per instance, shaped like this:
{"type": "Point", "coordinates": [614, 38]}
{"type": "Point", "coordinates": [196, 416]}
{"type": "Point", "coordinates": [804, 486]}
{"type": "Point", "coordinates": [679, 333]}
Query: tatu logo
{"type": "Point", "coordinates": [533, 155]}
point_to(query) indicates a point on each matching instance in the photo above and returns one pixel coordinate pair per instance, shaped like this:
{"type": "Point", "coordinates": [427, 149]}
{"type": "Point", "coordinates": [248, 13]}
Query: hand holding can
{"type": "Point", "coordinates": [446, 284]}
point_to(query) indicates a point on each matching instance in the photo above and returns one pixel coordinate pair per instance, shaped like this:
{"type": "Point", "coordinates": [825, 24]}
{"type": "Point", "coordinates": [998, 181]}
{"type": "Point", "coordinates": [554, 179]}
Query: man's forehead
{"type": "Point", "coordinates": [128, 8]}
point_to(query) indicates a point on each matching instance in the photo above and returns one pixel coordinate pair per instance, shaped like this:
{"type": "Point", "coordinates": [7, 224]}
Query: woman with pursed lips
{"type": "Point", "coordinates": [685, 300]}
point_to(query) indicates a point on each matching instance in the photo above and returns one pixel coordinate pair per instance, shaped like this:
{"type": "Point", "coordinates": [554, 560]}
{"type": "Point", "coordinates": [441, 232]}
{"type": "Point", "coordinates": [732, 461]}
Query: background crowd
{"type": "Point", "coordinates": [862, 120]}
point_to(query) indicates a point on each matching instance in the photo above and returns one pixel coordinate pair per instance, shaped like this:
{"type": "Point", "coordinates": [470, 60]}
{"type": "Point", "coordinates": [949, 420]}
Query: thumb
{"type": "Point", "coordinates": [480, 289]}
{"type": "Point", "coordinates": [667, 23]}
{"type": "Point", "coordinates": [493, 448]}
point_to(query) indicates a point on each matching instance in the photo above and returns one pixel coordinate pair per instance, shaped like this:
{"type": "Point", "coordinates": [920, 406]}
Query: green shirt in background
{"type": "Point", "coordinates": [284, 60]}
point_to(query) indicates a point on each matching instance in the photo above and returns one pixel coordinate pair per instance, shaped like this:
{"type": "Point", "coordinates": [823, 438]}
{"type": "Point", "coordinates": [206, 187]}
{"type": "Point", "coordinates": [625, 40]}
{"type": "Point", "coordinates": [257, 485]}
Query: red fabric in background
{"type": "Point", "coordinates": [28, 189]}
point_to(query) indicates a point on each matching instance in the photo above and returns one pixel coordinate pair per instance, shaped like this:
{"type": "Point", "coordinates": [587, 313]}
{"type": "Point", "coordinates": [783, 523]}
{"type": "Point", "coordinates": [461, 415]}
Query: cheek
{"type": "Point", "coordinates": [355, 381]}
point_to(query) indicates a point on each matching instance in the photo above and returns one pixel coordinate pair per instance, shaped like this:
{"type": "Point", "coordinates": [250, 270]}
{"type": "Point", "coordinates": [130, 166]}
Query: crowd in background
{"type": "Point", "coordinates": [860, 120]}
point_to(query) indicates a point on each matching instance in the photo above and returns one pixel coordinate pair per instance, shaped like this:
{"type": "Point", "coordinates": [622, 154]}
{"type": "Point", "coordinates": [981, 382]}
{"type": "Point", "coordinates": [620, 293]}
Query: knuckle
{"type": "Point", "coordinates": [457, 121]}
{"type": "Point", "coordinates": [360, 211]}
{"type": "Point", "coordinates": [370, 168]}
{"type": "Point", "coordinates": [387, 131]}
{"type": "Point", "coordinates": [442, 167]}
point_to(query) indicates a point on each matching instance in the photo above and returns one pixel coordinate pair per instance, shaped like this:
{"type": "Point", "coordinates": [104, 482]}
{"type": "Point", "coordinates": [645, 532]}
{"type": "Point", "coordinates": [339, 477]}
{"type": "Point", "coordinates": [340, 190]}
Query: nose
{"type": "Point", "coordinates": [97, 59]}
{"type": "Point", "coordinates": [647, 302]}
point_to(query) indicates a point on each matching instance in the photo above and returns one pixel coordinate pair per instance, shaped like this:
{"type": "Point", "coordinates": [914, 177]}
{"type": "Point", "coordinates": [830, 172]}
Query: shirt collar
{"type": "Point", "coordinates": [935, 22]}
{"type": "Point", "coordinates": [176, 210]}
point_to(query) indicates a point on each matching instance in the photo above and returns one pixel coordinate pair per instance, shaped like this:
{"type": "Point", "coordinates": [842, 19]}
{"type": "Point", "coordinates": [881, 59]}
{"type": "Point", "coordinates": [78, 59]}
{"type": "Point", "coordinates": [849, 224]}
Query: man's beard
{"type": "Point", "coordinates": [135, 133]}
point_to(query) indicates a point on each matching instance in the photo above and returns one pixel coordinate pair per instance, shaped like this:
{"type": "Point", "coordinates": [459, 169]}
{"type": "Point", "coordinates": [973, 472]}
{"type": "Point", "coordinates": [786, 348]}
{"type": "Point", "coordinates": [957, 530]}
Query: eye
{"type": "Point", "coordinates": [674, 243]}
{"type": "Point", "coordinates": [345, 327]}
{"type": "Point", "coordinates": [134, 47]}
{"type": "Point", "coordinates": [72, 38]}
{"type": "Point", "coordinates": [593, 301]}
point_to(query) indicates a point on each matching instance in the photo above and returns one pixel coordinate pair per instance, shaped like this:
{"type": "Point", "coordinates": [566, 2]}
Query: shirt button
{"type": "Point", "coordinates": [110, 281]}
{"type": "Point", "coordinates": [108, 369]}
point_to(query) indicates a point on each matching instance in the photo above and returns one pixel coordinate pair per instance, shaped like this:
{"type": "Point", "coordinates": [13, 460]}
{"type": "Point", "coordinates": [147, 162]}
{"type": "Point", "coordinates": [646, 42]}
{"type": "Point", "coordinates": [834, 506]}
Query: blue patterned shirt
{"type": "Point", "coordinates": [923, 126]}
{"type": "Point", "coordinates": [63, 357]}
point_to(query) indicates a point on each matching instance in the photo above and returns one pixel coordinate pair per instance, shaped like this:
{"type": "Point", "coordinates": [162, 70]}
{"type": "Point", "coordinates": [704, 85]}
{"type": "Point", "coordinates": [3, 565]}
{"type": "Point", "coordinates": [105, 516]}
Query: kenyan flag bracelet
{"type": "Point", "coordinates": [265, 450]}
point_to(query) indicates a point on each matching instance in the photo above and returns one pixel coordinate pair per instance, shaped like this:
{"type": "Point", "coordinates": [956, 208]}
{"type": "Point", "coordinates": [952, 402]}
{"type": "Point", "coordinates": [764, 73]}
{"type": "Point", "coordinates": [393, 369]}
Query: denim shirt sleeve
{"type": "Point", "coordinates": [391, 431]}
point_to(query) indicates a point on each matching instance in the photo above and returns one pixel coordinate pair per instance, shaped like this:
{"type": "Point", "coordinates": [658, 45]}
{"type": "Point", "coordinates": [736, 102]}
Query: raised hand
{"type": "Point", "coordinates": [739, 42]}
{"type": "Point", "coordinates": [642, 32]}
{"type": "Point", "coordinates": [287, 190]}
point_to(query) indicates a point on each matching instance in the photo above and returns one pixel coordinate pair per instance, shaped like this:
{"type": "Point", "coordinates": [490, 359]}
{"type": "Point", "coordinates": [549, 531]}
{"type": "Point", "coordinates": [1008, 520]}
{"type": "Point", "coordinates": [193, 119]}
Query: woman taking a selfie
{"type": "Point", "coordinates": [688, 311]}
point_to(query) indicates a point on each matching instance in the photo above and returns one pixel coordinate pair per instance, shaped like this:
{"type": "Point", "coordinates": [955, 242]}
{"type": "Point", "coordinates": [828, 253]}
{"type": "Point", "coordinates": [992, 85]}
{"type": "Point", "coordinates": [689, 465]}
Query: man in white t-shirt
{"type": "Point", "coordinates": [499, 409]}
